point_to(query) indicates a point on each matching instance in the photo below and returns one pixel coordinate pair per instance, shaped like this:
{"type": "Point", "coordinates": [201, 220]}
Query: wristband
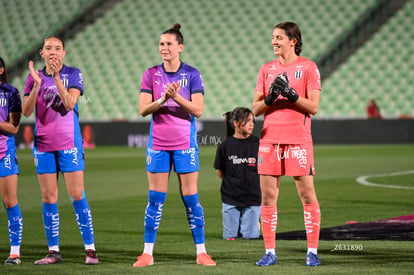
{"type": "Point", "coordinates": [270, 98]}
{"type": "Point", "coordinates": [160, 101]}
{"type": "Point", "coordinates": [293, 96]}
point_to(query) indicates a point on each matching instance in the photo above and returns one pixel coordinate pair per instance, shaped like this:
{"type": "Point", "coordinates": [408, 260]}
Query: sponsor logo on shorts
{"type": "Point", "coordinates": [153, 151]}
{"type": "Point", "coordinates": [301, 155]}
{"type": "Point", "coordinates": [7, 162]}
{"type": "Point", "coordinates": [192, 153]}
{"type": "Point", "coordinates": [74, 153]}
{"type": "Point", "coordinates": [294, 153]}
{"type": "Point", "coordinates": [264, 149]}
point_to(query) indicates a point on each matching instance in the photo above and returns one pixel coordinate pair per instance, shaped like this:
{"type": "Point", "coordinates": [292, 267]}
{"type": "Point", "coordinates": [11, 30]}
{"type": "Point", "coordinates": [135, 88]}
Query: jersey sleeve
{"type": "Point", "coordinates": [314, 79]}
{"type": "Point", "coordinates": [146, 82]}
{"type": "Point", "coordinates": [219, 160]}
{"type": "Point", "coordinates": [28, 86]}
{"type": "Point", "coordinates": [260, 85]}
{"type": "Point", "coordinates": [76, 80]}
{"type": "Point", "coordinates": [197, 85]}
{"type": "Point", "coordinates": [15, 103]}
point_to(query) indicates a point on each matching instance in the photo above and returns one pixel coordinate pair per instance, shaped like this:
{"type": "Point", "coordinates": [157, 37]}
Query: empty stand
{"type": "Point", "coordinates": [380, 70]}
{"type": "Point", "coordinates": [227, 41]}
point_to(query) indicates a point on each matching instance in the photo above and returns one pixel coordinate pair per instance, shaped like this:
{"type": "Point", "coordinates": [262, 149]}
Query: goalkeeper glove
{"type": "Point", "coordinates": [282, 84]}
{"type": "Point", "coordinates": [273, 94]}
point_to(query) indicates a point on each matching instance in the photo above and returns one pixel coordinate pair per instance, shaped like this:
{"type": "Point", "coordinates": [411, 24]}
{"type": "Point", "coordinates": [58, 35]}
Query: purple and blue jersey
{"type": "Point", "coordinates": [10, 102]}
{"type": "Point", "coordinates": [172, 128]}
{"type": "Point", "coordinates": [56, 128]}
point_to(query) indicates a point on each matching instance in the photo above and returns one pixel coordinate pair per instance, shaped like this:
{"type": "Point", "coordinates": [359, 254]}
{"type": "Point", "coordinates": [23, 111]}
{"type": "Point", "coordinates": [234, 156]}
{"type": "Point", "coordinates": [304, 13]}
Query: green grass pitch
{"type": "Point", "coordinates": [116, 188]}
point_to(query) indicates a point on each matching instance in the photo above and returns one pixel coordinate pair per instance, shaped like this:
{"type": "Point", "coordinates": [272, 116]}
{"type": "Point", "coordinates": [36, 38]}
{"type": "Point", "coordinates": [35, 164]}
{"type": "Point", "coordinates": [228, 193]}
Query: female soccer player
{"type": "Point", "coordinates": [54, 92]}
{"type": "Point", "coordinates": [10, 113]}
{"type": "Point", "coordinates": [173, 93]}
{"type": "Point", "coordinates": [236, 165]}
{"type": "Point", "coordinates": [287, 93]}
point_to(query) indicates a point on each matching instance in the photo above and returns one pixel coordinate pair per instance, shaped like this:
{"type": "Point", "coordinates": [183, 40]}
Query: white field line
{"type": "Point", "coordinates": [363, 180]}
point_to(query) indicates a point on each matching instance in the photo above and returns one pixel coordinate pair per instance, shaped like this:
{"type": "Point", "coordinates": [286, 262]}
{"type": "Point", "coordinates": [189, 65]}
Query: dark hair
{"type": "Point", "coordinates": [3, 76]}
{"type": "Point", "coordinates": [240, 115]}
{"type": "Point", "coordinates": [52, 36]}
{"type": "Point", "coordinates": [176, 31]}
{"type": "Point", "coordinates": [292, 31]}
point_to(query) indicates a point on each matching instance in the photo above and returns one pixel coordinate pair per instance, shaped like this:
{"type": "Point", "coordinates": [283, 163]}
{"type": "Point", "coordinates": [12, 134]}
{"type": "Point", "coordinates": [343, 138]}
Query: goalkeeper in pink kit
{"type": "Point", "coordinates": [287, 93]}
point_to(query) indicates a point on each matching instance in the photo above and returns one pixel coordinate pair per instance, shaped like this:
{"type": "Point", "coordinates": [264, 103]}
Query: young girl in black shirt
{"type": "Point", "coordinates": [236, 165]}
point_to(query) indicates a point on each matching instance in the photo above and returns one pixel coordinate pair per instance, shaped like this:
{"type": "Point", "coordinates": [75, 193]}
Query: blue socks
{"type": "Point", "coordinates": [15, 222]}
{"type": "Point", "coordinates": [84, 219]}
{"type": "Point", "coordinates": [51, 223]}
{"type": "Point", "coordinates": [153, 214]}
{"type": "Point", "coordinates": [195, 217]}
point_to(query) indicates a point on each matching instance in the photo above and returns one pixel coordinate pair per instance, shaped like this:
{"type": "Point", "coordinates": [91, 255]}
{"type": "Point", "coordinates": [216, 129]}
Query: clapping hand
{"type": "Point", "coordinates": [35, 74]}
{"type": "Point", "coordinates": [282, 84]}
{"type": "Point", "coordinates": [274, 93]}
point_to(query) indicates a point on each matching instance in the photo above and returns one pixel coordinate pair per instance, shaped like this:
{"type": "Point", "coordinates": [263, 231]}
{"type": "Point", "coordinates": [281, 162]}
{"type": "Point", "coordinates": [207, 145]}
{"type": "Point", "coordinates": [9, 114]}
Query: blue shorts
{"type": "Point", "coordinates": [9, 165]}
{"type": "Point", "coordinates": [185, 161]}
{"type": "Point", "coordinates": [70, 160]}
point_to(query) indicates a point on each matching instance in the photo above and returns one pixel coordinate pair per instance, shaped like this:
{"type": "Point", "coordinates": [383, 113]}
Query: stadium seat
{"type": "Point", "coordinates": [226, 40]}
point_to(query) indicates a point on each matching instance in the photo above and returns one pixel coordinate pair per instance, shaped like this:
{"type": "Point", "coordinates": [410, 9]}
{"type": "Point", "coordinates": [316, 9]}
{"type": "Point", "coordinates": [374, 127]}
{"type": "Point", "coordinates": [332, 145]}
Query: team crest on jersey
{"type": "Point", "coordinates": [3, 101]}
{"type": "Point", "coordinates": [183, 80]}
{"type": "Point", "coordinates": [298, 74]}
{"type": "Point", "coordinates": [65, 80]}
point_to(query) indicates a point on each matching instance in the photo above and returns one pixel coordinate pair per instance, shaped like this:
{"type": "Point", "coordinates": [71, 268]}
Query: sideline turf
{"type": "Point", "coordinates": [116, 188]}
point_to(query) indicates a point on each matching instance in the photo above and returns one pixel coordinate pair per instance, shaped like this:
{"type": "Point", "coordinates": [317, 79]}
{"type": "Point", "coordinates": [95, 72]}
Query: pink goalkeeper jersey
{"type": "Point", "coordinates": [284, 122]}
